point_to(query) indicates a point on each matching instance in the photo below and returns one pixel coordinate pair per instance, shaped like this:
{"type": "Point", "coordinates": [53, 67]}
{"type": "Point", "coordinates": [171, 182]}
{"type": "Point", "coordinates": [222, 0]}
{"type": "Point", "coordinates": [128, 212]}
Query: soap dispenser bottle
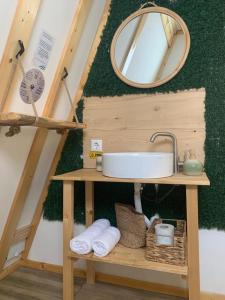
{"type": "Point", "coordinates": [192, 166]}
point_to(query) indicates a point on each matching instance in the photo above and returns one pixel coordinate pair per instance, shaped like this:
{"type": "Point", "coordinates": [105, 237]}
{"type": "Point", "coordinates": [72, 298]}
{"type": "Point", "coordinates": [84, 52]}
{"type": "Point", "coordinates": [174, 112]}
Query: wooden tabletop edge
{"type": "Point", "coordinates": [94, 176]}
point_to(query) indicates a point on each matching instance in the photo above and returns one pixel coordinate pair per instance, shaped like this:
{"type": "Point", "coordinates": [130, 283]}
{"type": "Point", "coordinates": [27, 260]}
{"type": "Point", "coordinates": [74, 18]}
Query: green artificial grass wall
{"type": "Point", "coordinates": [205, 67]}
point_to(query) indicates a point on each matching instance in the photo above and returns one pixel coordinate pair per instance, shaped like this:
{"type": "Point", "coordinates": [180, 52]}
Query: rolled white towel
{"type": "Point", "coordinates": [104, 243]}
{"type": "Point", "coordinates": [82, 244]}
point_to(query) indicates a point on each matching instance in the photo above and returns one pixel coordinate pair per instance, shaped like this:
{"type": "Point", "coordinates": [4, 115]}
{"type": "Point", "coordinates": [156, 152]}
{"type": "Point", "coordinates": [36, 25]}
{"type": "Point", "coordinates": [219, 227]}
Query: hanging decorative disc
{"type": "Point", "coordinates": [32, 85]}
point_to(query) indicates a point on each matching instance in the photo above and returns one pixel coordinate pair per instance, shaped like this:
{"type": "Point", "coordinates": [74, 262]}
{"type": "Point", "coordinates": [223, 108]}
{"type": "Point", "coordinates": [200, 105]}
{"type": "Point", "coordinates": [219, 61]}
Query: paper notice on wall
{"type": "Point", "coordinates": [43, 51]}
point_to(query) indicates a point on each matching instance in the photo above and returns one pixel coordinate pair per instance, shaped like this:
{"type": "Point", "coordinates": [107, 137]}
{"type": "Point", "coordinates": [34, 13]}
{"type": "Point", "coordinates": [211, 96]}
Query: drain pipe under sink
{"type": "Point", "coordinates": [137, 202]}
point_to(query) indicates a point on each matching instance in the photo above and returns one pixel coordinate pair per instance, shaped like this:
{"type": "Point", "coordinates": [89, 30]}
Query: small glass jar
{"type": "Point", "coordinates": [192, 166]}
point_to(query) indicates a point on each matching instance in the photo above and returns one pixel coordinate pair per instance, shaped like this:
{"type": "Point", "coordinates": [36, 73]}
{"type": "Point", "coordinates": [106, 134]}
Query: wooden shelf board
{"type": "Point", "coordinates": [93, 175]}
{"type": "Point", "coordinates": [132, 258]}
{"type": "Point", "coordinates": [16, 119]}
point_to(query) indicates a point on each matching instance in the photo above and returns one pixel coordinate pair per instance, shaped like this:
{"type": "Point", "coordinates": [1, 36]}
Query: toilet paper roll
{"type": "Point", "coordinates": [164, 234]}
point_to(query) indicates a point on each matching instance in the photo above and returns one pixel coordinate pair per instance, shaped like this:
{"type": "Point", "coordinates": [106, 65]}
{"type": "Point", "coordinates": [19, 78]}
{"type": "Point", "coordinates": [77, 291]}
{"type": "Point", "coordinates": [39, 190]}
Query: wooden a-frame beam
{"type": "Point", "coordinates": [21, 29]}
{"type": "Point", "coordinates": [84, 77]}
{"type": "Point", "coordinates": [17, 206]}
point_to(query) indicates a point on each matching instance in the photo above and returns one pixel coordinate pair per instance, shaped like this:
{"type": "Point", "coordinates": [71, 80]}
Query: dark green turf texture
{"type": "Point", "coordinates": [205, 67]}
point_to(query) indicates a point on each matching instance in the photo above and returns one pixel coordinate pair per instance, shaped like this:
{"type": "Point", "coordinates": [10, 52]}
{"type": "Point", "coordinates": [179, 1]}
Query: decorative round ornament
{"type": "Point", "coordinates": [32, 85]}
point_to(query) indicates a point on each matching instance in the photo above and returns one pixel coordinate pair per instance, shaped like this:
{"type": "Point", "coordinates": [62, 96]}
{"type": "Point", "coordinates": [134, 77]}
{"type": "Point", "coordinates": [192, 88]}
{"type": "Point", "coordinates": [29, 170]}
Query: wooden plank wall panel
{"type": "Point", "coordinates": [126, 123]}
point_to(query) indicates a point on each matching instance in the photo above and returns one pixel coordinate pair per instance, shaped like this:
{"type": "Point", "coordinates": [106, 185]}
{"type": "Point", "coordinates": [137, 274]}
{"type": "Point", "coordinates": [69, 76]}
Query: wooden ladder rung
{"type": "Point", "coordinates": [17, 119]}
{"type": "Point", "coordinates": [21, 234]}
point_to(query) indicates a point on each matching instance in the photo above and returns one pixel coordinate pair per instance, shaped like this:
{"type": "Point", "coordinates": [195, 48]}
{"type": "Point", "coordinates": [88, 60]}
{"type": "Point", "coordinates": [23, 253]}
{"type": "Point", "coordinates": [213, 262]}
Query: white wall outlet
{"type": "Point", "coordinates": [96, 145]}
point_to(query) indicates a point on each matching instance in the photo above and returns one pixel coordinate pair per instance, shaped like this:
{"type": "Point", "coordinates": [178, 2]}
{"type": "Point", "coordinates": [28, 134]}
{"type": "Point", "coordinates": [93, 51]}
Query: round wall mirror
{"type": "Point", "coordinates": [150, 47]}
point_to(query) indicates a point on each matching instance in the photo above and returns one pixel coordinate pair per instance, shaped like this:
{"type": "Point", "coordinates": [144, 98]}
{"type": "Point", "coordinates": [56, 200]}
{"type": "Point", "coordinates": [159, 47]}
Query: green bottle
{"type": "Point", "coordinates": [192, 166]}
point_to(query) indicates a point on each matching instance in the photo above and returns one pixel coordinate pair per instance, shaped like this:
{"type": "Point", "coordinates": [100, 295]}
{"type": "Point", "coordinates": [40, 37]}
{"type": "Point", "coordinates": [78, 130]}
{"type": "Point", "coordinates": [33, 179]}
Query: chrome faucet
{"type": "Point", "coordinates": [174, 141]}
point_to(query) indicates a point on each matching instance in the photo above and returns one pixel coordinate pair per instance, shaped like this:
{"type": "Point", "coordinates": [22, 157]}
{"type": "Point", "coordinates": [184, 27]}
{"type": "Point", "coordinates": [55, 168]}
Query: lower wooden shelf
{"type": "Point", "coordinates": [133, 258]}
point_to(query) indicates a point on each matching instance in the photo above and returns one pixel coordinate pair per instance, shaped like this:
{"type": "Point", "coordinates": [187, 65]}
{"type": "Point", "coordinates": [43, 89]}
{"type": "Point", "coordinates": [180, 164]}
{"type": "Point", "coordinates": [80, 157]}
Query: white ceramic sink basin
{"type": "Point", "coordinates": [138, 164]}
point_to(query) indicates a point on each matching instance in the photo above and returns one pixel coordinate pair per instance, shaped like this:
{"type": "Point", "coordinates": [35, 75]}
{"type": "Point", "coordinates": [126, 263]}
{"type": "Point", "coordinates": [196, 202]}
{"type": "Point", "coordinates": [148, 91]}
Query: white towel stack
{"type": "Point", "coordinates": [82, 244]}
{"type": "Point", "coordinates": [104, 243]}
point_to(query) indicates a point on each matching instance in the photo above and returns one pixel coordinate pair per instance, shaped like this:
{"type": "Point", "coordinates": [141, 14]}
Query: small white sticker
{"type": "Point", "coordinates": [44, 48]}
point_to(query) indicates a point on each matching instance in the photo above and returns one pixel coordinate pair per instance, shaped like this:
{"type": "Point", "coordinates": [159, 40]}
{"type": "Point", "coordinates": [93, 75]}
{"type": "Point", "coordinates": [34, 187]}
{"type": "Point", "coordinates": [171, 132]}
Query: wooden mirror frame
{"type": "Point", "coordinates": [155, 9]}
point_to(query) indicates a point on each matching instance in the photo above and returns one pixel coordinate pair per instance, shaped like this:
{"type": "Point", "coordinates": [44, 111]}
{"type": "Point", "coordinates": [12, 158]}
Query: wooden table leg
{"type": "Point", "coordinates": [89, 209]}
{"type": "Point", "coordinates": [68, 224]}
{"type": "Point", "coordinates": [193, 242]}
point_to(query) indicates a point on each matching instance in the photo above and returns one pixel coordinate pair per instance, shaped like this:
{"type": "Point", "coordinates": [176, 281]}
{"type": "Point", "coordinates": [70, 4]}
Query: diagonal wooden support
{"type": "Point", "coordinates": [21, 29]}
{"type": "Point", "coordinates": [84, 77]}
{"type": "Point", "coordinates": [71, 43]}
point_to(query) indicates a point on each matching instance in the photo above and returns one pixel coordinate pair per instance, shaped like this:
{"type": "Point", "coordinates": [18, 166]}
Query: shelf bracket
{"type": "Point", "coordinates": [22, 49]}
{"type": "Point", "coordinates": [13, 130]}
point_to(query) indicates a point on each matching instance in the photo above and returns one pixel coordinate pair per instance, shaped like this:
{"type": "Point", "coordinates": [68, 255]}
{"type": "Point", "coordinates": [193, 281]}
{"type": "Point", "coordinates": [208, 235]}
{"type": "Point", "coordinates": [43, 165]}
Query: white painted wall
{"type": "Point", "coordinates": [7, 11]}
{"type": "Point", "coordinates": [47, 246]}
{"type": "Point", "coordinates": [212, 261]}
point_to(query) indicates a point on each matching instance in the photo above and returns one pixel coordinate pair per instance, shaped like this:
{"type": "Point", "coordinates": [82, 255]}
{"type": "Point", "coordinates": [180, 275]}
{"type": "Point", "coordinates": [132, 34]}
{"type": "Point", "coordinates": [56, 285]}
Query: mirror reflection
{"type": "Point", "coordinates": [149, 48]}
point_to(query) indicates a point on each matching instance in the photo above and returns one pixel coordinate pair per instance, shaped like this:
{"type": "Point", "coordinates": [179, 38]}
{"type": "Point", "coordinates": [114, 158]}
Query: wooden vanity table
{"type": "Point", "coordinates": [122, 255]}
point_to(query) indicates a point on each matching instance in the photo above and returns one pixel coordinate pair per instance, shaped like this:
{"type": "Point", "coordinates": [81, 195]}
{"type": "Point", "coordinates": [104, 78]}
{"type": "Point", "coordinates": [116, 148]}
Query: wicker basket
{"type": "Point", "coordinates": [176, 254]}
{"type": "Point", "coordinates": [131, 225]}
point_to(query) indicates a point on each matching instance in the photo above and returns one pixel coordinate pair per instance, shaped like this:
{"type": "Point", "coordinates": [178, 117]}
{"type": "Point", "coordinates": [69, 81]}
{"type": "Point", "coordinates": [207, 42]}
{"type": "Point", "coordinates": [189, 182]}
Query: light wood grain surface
{"type": "Point", "coordinates": [126, 123]}
{"type": "Point", "coordinates": [134, 258]}
{"type": "Point", "coordinates": [93, 175]}
{"type": "Point", "coordinates": [193, 242]}
{"type": "Point", "coordinates": [68, 209]}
